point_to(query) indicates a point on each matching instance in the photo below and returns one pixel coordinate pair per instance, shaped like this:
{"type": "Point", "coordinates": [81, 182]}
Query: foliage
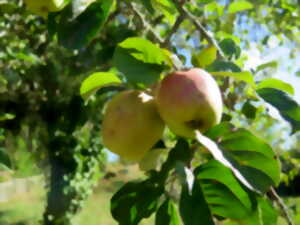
{"type": "Point", "coordinates": [99, 48]}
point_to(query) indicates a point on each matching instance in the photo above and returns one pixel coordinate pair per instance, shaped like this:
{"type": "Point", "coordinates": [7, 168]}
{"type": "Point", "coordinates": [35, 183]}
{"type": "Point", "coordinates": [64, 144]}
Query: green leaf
{"type": "Point", "coordinates": [135, 201]}
{"type": "Point", "coordinates": [148, 5]}
{"type": "Point", "coordinates": [239, 76]}
{"type": "Point", "coordinates": [249, 110]}
{"type": "Point", "coordinates": [167, 8]}
{"type": "Point", "coordinates": [167, 214]}
{"type": "Point", "coordinates": [205, 57]}
{"type": "Point", "coordinates": [140, 60]}
{"type": "Point", "coordinates": [221, 65]}
{"type": "Point", "coordinates": [7, 116]}
{"type": "Point", "coordinates": [287, 107]}
{"type": "Point", "coordinates": [269, 213]}
{"type": "Point", "coordinates": [180, 153]}
{"type": "Point", "coordinates": [80, 6]}
{"type": "Point", "coordinates": [264, 214]}
{"type": "Point", "coordinates": [77, 33]}
{"type": "Point", "coordinates": [276, 83]}
{"type": "Point", "coordinates": [96, 81]}
{"type": "Point", "coordinates": [4, 167]}
{"type": "Point", "coordinates": [144, 50]}
{"type": "Point", "coordinates": [224, 194]}
{"type": "Point", "coordinates": [193, 207]}
{"type": "Point", "coordinates": [28, 57]}
{"type": "Point", "coordinates": [273, 64]}
{"type": "Point", "coordinates": [8, 8]}
{"type": "Point", "coordinates": [172, 59]}
{"type": "Point", "coordinates": [230, 48]}
{"type": "Point", "coordinates": [4, 159]}
{"type": "Point", "coordinates": [205, 1]}
{"type": "Point", "coordinates": [238, 6]}
{"type": "Point", "coordinates": [251, 160]}
{"type": "Point", "coordinates": [3, 84]}
{"type": "Point", "coordinates": [214, 10]}
{"type": "Point", "coordinates": [222, 129]}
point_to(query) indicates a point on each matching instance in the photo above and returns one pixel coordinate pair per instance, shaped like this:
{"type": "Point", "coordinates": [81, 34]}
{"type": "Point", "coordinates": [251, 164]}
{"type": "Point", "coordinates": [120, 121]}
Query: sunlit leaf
{"type": "Point", "coordinates": [167, 214]}
{"type": "Point", "coordinates": [7, 116]}
{"type": "Point", "coordinates": [205, 57]}
{"type": "Point", "coordinates": [167, 8]}
{"type": "Point", "coordinates": [140, 60]}
{"type": "Point", "coordinates": [272, 64]}
{"type": "Point", "coordinates": [96, 81]}
{"type": "Point", "coordinates": [214, 10]}
{"type": "Point", "coordinates": [238, 6]}
{"type": "Point", "coordinates": [239, 76]}
{"type": "Point", "coordinates": [276, 83]}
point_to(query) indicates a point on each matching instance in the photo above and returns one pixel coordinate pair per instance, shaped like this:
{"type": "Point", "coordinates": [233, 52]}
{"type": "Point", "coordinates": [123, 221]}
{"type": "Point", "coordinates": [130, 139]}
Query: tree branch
{"type": "Point", "coordinates": [199, 27]}
{"type": "Point", "coordinates": [272, 193]}
{"type": "Point", "coordinates": [145, 24]}
{"type": "Point", "coordinates": [178, 21]}
{"type": "Point", "coordinates": [148, 27]}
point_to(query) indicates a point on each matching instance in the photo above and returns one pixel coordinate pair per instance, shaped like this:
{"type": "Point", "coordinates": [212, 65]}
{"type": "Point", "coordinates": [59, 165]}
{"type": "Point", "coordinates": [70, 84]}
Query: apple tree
{"type": "Point", "coordinates": [167, 84]}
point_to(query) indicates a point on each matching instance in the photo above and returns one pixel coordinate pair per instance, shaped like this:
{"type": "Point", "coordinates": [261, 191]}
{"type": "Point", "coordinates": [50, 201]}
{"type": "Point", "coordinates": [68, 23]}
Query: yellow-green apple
{"type": "Point", "coordinates": [131, 125]}
{"type": "Point", "coordinates": [188, 101]}
{"type": "Point", "coordinates": [43, 7]}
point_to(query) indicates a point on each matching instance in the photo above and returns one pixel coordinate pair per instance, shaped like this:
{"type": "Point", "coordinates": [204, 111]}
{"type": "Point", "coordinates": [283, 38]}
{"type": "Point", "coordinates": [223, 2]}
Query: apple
{"type": "Point", "coordinates": [188, 101]}
{"type": "Point", "coordinates": [43, 7]}
{"type": "Point", "coordinates": [131, 125]}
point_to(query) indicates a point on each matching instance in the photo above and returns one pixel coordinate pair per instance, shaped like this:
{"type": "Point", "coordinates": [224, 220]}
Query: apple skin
{"type": "Point", "coordinates": [131, 125]}
{"type": "Point", "coordinates": [43, 7]}
{"type": "Point", "coordinates": [188, 101]}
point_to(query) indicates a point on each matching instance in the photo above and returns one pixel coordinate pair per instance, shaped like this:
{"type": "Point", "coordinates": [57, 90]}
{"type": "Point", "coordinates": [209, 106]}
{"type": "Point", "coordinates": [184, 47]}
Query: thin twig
{"type": "Point", "coordinates": [175, 27]}
{"type": "Point", "coordinates": [199, 27]}
{"type": "Point", "coordinates": [273, 194]}
{"type": "Point", "coordinates": [146, 25]}
{"type": "Point", "coordinates": [150, 29]}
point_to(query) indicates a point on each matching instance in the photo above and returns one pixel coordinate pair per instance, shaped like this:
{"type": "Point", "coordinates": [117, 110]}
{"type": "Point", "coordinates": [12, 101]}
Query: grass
{"type": "Point", "coordinates": [25, 209]}
{"type": "Point", "coordinates": [97, 209]}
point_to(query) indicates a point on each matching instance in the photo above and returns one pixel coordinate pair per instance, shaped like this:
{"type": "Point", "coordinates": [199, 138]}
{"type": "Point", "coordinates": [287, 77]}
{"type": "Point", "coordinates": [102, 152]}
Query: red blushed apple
{"type": "Point", "coordinates": [188, 101]}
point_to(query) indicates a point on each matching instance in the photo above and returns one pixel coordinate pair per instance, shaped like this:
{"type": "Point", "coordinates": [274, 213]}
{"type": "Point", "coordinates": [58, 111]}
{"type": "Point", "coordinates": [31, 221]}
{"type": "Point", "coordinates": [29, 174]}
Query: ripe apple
{"type": "Point", "coordinates": [188, 101]}
{"type": "Point", "coordinates": [43, 7]}
{"type": "Point", "coordinates": [131, 125]}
